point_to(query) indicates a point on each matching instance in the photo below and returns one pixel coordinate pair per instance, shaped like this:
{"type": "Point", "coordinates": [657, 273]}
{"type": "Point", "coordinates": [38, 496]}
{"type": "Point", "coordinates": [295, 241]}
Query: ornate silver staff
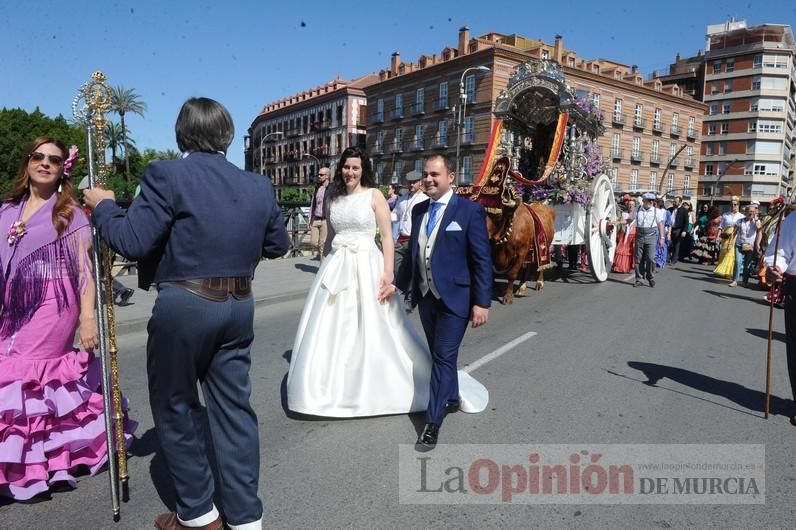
{"type": "Point", "coordinates": [89, 107]}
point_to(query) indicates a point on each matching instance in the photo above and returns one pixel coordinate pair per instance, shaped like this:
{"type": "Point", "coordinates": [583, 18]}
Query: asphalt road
{"type": "Point", "coordinates": [682, 363]}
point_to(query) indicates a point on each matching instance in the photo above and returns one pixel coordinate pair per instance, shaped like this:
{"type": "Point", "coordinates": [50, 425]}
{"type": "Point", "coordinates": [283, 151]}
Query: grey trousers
{"type": "Point", "coordinates": [192, 340]}
{"type": "Point", "coordinates": [646, 240]}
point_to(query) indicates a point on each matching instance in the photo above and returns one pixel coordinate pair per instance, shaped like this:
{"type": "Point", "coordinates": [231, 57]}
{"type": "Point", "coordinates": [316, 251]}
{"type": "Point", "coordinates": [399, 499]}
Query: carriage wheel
{"type": "Point", "coordinates": [601, 232]}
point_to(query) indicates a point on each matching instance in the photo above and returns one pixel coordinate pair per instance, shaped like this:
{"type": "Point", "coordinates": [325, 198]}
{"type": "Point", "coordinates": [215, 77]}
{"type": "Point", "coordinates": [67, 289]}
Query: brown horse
{"type": "Point", "coordinates": [511, 233]}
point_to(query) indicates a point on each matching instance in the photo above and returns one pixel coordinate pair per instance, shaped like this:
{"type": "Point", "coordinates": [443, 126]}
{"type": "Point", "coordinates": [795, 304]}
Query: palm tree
{"type": "Point", "coordinates": [114, 139]}
{"type": "Point", "coordinates": [126, 100]}
{"type": "Point", "coordinates": [169, 154]}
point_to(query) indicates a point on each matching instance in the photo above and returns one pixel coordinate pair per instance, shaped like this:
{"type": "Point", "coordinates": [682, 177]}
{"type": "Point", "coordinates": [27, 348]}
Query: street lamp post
{"type": "Point", "coordinates": [317, 160]}
{"type": "Point", "coordinates": [716, 184]}
{"type": "Point", "coordinates": [277, 134]}
{"type": "Point", "coordinates": [460, 114]}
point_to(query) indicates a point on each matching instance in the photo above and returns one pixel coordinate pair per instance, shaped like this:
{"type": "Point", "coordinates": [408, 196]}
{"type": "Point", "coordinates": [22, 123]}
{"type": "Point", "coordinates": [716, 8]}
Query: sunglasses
{"type": "Point", "coordinates": [54, 159]}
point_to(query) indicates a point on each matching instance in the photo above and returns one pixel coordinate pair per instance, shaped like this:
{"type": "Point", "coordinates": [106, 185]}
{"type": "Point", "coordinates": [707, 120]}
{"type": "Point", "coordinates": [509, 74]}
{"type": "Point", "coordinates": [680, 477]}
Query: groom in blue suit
{"type": "Point", "coordinates": [450, 274]}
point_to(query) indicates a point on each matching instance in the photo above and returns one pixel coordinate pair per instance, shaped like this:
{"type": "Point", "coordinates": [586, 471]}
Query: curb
{"type": "Point", "coordinates": [140, 324]}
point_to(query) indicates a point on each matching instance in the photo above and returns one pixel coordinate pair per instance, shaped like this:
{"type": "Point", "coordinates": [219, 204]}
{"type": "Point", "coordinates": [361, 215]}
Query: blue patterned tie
{"type": "Point", "coordinates": [432, 217]}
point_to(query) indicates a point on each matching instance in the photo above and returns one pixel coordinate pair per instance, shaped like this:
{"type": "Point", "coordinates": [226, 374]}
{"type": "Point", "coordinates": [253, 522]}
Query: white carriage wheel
{"type": "Point", "coordinates": [600, 229]}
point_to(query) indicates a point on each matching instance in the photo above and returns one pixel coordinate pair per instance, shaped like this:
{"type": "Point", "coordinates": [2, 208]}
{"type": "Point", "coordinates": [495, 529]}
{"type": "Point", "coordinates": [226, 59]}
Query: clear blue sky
{"type": "Point", "coordinates": [248, 53]}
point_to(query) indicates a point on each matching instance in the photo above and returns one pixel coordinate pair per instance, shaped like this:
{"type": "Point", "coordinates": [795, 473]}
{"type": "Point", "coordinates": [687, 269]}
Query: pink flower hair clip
{"type": "Point", "coordinates": [70, 160]}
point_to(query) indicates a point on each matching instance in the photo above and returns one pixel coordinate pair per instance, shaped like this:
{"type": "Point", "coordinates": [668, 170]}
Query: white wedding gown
{"type": "Point", "coordinates": [352, 355]}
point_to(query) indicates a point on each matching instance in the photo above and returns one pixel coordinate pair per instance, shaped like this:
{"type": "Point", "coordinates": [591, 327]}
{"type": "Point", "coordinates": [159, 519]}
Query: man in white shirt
{"type": "Point", "coordinates": [649, 232]}
{"type": "Point", "coordinates": [403, 210]}
{"type": "Point", "coordinates": [783, 269]}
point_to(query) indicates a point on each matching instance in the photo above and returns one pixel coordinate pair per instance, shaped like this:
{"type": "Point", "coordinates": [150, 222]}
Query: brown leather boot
{"type": "Point", "coordinates": [169, 521]}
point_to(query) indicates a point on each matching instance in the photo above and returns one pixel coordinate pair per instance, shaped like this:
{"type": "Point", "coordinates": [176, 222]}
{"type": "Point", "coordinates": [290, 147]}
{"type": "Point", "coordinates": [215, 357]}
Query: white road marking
{"type": "Point", "coordinates": [497, 353]}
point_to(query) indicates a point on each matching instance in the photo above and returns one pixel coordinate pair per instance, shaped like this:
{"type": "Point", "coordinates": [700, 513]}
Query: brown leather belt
{"type": "Point", "coordinates": [218, 289]}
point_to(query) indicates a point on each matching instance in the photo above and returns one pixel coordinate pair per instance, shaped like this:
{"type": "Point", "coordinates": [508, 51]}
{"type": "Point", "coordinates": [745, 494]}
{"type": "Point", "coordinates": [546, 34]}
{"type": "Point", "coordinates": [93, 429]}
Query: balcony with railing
{"type": "Point", "coordinates": [397, 114]}
{"type": "Point", "coordinates": [467, 137]}
{"type": "Point", "coordinates": [418, 145]}
{"type": "Point", "coordinates": [675, 130]}
{"type": "Point", "coordinates": [636, 156]}
{"type": "Point", "coordinates": [639, 123]}
{"type": "Point", "coordinates": [617, 154]}
{"type": "Point", "coordinates": [691, 134]}
{"type": "Point", "coordinates": [321, 151]}
{"type": "Point", "coordinates": [617, 118]}
{"type": "Point", "coordinates": [418, 109]}
{"type": "Point", "coordinates": [657, 126]}
{"type": "Point", "coordinates": [396, 147]}
{"type": "Point", "coordinates": [441, 104]}
{"type": "Point", "coordinates": [439, 142]}
{"type": "Point", "coordinates": [378, 148]}
{"type": "Point", "coordinates": [294, 132]}
{"type": "Point", "coordinates": [655, 158]}
{"type": "Point", "coordinates": [378, 117]}
{"type": "Point", "coordinates": [673, 163]}
{"type": "Point", "coordinates": [689, 163]}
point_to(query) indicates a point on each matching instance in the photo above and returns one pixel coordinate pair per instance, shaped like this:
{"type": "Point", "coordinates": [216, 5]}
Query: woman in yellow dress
{"type": "Point", "coordinates": [726, 266]}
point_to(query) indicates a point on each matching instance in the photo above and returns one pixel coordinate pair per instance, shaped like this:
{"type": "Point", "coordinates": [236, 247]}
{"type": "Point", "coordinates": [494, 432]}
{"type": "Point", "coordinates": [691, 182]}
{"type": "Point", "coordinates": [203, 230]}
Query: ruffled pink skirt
{"type": "Point", "coordinates": [51, 410]}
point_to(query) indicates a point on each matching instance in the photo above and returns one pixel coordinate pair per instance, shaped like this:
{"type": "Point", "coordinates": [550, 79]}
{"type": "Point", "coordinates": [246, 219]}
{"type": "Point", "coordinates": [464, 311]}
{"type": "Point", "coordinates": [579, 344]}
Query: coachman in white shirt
{"type": "Point", "coordinates": [784, 270]}
{"type": "Point", "coordinates": [403, 210]}
{"type": "Point", "coordinates": [649, 234]}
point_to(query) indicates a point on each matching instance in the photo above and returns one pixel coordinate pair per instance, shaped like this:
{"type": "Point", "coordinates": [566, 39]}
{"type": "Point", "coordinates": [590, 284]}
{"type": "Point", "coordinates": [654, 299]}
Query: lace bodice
{"type": "Point", "coordinates": [353, 213]}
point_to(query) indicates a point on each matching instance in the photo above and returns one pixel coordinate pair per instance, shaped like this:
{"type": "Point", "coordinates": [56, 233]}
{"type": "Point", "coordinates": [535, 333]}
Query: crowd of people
{"type": "Point", "coordinates": [355, 352]}
{"type": "Point", "coordinates": [732, 242]}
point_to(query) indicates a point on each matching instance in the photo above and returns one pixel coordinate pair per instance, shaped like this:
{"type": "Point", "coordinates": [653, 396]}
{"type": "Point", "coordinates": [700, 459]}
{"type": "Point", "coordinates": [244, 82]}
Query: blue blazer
{"type": "Point", "coordinates": [461, 263]}
{"type": "Point", "coordinates": [198, 217]}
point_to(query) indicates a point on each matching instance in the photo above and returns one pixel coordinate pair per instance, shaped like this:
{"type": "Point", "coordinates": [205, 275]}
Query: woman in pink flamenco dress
{"type": "Point", "coordinates": [51, 411]}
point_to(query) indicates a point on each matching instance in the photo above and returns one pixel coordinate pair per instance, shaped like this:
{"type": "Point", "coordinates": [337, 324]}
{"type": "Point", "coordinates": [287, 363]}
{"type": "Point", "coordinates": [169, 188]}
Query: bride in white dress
{"type": "Point", "coordinates": [355, 352]}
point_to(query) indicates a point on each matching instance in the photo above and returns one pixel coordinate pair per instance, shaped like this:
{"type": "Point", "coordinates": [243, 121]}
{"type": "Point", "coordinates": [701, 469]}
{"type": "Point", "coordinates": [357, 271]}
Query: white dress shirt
{"type": "Point", "coordinates": [649, 218]}
{"type": "Point", "coordinates": [747, 232]}
{"type": "Point", "coordinates": [787, 246]}
{"type": "Point", "coordinates": [404, 212]}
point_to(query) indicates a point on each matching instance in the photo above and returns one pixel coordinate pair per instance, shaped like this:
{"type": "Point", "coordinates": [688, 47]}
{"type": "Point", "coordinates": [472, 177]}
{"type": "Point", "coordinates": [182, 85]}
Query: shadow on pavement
{"type": "Point", "coordinates": [148, 444]}
{"type": "Point", "coordinates": [755, 299]}
{"type": "Point", "coordinates": [709, 279]}
{"type": "Point", "coordinates": [747, 398]}
{"type": "Point", "coordinates": [303, 267]}
{"type": "Point", "coordinates": [763, 334]}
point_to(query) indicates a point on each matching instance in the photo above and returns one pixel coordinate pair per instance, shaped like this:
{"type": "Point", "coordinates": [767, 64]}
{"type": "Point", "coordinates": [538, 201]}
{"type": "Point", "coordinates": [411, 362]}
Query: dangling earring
{"type": "Point", "coordinates": [59, 185]}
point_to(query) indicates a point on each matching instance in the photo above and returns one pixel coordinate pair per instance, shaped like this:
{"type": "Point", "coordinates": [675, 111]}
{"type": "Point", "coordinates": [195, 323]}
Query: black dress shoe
{"type": "Point", "coordinates": [652, 283]}
{"type": "Point", "coordinates": [124, 298]}
{"type": "Point", "coordinates": [428, 438]}
{"type": "Point", "coordinates": [452, 406]}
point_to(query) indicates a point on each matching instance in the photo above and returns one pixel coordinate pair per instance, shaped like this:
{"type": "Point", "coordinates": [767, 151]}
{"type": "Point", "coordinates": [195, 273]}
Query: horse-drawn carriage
{"type": "Point", "coordinates": [542, 182]}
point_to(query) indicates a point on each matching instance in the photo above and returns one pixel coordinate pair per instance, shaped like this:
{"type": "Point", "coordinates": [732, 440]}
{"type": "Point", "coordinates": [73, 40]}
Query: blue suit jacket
{"type": "Point", "coordinates": [198, 217]}
{"type": "Point", "coordinates": [461, 263]}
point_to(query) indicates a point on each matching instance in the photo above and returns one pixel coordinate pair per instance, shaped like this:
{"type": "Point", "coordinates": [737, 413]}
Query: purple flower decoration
{"type": "Point", "coordinates": [70, 161]}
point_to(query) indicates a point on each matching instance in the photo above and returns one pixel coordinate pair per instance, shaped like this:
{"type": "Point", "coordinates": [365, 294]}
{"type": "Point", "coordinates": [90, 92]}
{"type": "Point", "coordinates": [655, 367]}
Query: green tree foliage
{"type": "Point", "coordinates": [18, 128]}
{"type": "Point", "coordinates": [295, 195]}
